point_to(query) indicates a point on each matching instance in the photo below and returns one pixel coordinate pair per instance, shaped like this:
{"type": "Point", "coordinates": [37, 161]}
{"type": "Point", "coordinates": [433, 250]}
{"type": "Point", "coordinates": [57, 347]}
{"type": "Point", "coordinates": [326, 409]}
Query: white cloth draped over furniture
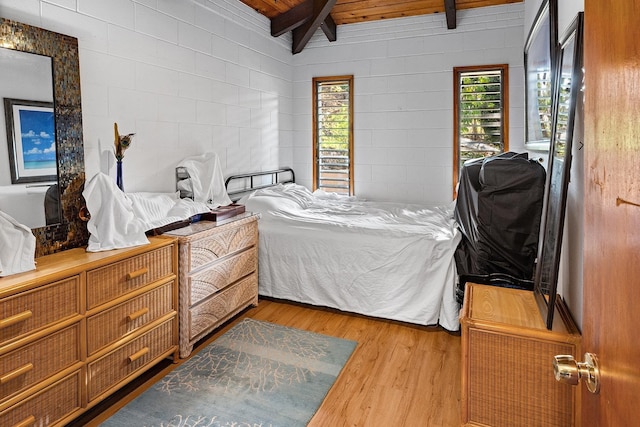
{"type": "Point", "coordinates": [387, 260]}
{"type": "Point", "coordinates": [206, 180]}
{"type": "Point", "coordinates": [120, 220]}
{"type": "Point", "coordinates": [113, 223]}
{"type": "Point", "coordinates": [17, 246]}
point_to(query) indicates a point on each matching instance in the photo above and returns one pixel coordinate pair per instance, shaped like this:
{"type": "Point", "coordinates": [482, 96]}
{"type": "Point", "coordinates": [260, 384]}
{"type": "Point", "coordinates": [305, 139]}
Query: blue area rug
{"type": "Point", "coordinates": [256, 374]}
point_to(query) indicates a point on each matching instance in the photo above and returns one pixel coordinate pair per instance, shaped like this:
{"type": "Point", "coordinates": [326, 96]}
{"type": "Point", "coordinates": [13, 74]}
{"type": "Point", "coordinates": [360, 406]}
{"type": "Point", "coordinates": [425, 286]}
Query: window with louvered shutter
{"type": "Point", "coordinates": [481, 113]}
{"type": "Point", "coordinates": [333, 134]}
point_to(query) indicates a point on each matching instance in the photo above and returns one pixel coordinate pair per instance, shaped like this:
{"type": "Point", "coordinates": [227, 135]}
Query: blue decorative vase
{"type": "Point", "coordinates": [119, 182]}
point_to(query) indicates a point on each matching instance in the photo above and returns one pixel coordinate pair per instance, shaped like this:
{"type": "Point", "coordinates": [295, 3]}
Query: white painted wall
{"type": "Point", "coordinates": [570, 274]}
{"type": "Point", "coordinates": [187, 76]}
{"type": "Point", "coordinates": [403, 72]}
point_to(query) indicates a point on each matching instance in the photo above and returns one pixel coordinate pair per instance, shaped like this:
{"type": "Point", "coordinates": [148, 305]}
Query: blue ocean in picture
{"type": "Point", "coordinates": [40, 164]}
{"type": "Point", "coordinates": [38, 139]}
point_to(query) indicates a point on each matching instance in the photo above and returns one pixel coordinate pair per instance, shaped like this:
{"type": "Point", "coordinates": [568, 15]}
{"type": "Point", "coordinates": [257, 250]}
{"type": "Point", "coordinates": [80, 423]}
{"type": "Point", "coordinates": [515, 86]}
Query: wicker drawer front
{"type": "Point", "coordinates": [132, 357]}
{"type": "Point", "coordinates": [107, 283]}
{"type": "Point", "coordinates": [30, 311]}
{"type": "Point", "coordinates": [35, 362]}
{"type": "Point", "coordinates": [110, 325]}
{"type": "Point", "coordinates": [211, 311]}
{"type": "Point", "coordinates": [228, 239]}
{"type": "Point", "coordinates": [217, 277]}
{"type": "Point", "coordinates": [534, 399]}
{"type": "Point", "coordinates": [47, 407]}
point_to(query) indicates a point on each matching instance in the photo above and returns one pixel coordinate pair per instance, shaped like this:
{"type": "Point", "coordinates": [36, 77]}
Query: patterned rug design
{"type": "Point", "coordinates": [257, 374]}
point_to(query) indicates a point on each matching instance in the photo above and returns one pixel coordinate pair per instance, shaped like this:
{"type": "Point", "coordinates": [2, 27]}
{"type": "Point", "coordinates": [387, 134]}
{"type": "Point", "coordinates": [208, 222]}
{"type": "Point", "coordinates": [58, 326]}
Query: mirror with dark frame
{"type": "Point", "coordinates": [539, 62]}
{"type": "Point", "coordinates": [568, 77]}
{"type": "Point", "coordinates": [28, 168]}
{"type": "Point", "coordinates": [68, 230]}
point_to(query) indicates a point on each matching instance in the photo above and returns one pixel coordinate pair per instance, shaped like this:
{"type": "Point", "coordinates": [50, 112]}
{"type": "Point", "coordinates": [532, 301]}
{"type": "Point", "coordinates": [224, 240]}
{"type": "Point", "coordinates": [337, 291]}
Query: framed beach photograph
{"type": "Point", "coordinates": [31, 139]}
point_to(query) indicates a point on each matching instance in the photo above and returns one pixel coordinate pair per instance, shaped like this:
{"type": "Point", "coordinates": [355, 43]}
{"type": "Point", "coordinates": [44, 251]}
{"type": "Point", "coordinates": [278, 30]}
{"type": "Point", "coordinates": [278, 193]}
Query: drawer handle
{"type": "Point", "coordinates": [138, 354]}
{"type": "Point", "coordinates": [20, 317]}
{"type": "Point", "coordinates": [137, 273]}
{"type": "Point", "coordinates": [29, 421]}
{"type": "Point", "coordinates": [16, 373]}
{"type": "Point", "coordinates": [135, 315]}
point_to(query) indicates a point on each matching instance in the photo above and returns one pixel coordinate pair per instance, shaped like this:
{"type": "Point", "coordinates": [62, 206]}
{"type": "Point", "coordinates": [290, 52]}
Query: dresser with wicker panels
{"type": "Point", "coordinates": [507, 360]}
{"type": "Point", "coordinates": [81, 326]}
{"type": "Point", "coordinates": [218, 274]}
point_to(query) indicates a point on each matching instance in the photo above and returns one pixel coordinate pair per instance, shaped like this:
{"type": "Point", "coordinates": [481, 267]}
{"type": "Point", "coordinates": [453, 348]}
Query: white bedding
{"type": "Point", "coordinates": [387, 260]}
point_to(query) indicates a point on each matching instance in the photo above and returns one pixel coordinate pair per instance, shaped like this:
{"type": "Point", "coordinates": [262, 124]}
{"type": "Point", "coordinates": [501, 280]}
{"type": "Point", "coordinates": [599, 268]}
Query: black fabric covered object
{"type": "Point", "coordinates": [498, 209]}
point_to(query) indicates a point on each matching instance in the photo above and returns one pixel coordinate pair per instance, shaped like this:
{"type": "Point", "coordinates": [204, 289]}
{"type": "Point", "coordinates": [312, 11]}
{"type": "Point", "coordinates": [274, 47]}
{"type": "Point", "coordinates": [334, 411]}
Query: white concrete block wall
{"type": "Point", "coordinates": [187, 76]}
{"type": "Point", "coordinates": [403, 70]}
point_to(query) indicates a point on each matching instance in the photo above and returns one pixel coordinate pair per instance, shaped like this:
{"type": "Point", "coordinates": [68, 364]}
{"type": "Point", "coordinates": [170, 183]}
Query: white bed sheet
{"type": "Point", "coordinates": [387, 260]}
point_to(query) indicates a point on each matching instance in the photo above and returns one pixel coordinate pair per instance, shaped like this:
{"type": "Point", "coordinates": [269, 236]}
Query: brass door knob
{"type": "Point", "coordinates": [567, 370]}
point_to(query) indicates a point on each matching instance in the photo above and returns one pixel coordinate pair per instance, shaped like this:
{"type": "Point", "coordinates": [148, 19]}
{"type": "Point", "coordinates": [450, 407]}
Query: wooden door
{"type": "Point", "coordinates": [611, 312]}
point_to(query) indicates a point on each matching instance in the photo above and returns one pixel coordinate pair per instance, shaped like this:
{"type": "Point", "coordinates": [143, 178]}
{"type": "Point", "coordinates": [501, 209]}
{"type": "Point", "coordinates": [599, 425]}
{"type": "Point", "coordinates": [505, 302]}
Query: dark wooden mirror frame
{"type": "Point", "coordinates": [63, 50]}
{"type": "Point", "coordinates": [534, 52]}
{"type": "Point", "coordinates": [558, 173]}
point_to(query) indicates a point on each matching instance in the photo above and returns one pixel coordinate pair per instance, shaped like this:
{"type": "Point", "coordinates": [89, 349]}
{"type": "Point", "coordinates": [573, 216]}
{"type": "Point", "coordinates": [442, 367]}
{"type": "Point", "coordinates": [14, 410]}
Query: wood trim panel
{"type": "Point", "coordinates": [611, 209]}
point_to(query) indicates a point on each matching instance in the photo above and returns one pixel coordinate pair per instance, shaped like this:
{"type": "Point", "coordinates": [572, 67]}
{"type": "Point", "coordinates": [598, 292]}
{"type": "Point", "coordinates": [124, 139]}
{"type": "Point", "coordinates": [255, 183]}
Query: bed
{"type": "Point", "coordinates": [388, 260]}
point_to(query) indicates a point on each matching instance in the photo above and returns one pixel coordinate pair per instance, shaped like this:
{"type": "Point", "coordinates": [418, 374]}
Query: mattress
{"type": "Point", "coordinates": [386, 260]}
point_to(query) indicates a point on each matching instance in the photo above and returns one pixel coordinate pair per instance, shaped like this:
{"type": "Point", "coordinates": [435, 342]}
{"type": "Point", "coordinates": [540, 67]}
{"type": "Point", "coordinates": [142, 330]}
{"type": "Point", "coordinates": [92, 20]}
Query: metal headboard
{"type": "Point", "coordinates": [241, 184]}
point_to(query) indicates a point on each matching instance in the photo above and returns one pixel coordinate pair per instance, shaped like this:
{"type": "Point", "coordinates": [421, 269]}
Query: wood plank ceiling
{"type": "Point", "coordinates": [304, 17]}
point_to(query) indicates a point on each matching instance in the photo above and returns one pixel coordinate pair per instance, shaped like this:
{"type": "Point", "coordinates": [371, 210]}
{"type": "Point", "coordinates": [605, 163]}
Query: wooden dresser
{"type": "Point", "coordinates": [82, 325]}
{"type": "Point", "coordinates": [507, 360]}
{"type": "Point", "coordinates": [218, 274]}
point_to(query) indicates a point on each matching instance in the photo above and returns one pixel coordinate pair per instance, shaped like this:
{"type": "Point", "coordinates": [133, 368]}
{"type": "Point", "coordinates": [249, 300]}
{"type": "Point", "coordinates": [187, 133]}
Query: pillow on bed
{"type": "Point", "coordinates": [321, 194]}
{"type": "Point", "coordinates": [294, 192]}
{"type": "Point", "coordinates": [257, 202]}
{"type": "Point", "coordinates": [286, 196]}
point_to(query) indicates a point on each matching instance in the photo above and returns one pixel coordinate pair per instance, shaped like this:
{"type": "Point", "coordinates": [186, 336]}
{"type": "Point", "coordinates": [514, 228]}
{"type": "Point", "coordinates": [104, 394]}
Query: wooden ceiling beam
{"type": "Point", "coordinates": [291, 19]}
{"type": "Point", "coordinates": [330, 28]}
{"type": "Point", "coordinates": [354, 11]}
{"type": "Point", "coordinates": [303, 33]}
{"type": "Point", "coordinates": [298, 16]}
{"type": "Point", "coordinates": [450, 10]}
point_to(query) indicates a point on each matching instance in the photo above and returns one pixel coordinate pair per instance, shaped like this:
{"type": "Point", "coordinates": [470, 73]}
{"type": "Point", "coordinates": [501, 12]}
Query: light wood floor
{"type": "Point", "coordinates": [398, 375]}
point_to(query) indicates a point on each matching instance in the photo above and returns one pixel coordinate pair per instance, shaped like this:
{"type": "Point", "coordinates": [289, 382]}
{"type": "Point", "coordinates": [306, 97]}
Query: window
{"type": "Point", "coordinates": [481, 113]}
{"type": "Point", "coordinates": [333, 134]}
